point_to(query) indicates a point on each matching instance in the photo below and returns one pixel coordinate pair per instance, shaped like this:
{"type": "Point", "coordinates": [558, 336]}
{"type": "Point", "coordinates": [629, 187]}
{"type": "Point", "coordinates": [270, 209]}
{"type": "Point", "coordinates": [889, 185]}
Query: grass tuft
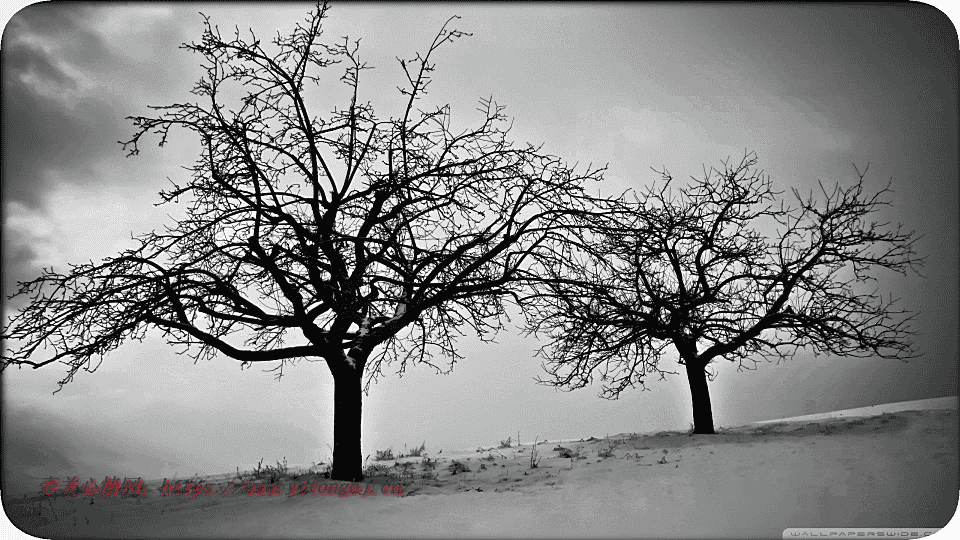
{"type": "Point", "coordinates": [534, 460]}
{"type": "Point", "coordinates": [418, 452]}
{"type": "Point", "coordinates": [271, 473]}
{"type": "Point", "coordinates": [384, 455]}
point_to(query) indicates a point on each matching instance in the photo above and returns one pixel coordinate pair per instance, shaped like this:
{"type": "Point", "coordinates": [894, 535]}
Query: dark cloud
{"type": "Point", "coordinates": [44, 131]}
{"type": "Point", "coordinates": [66, 92]}
{"type": "Point", "coordinates": [42, 135]}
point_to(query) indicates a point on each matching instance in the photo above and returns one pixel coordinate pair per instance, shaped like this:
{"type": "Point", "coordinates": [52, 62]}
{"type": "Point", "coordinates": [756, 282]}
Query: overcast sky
{"type": "Point", "coordinates": [811, 89]}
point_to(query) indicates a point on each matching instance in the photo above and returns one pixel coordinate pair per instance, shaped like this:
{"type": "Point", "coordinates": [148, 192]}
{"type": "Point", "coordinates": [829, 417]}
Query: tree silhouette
{"type": "Point", "coordinates": [692, 268]}
{"type": "Point", "coordinates": [348, 239]}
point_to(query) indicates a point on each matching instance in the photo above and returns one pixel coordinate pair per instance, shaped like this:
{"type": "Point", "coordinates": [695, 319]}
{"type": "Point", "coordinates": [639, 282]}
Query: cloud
{"type": "Point", "coordinates": [19, 260]}
{"type": "Point", "coordinates": [70, 77]}
{"type": "Point", "coordinates": [28, 245]}
{"type": "Point", "coordinates": [52, 120]}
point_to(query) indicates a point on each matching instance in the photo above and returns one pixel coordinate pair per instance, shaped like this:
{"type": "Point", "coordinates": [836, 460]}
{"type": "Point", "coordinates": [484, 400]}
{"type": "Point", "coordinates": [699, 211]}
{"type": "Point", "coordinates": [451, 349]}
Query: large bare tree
{"type": "Point", "coordinates": [311, 233]}
{"type": "Point", "coordinates": [722, 268]}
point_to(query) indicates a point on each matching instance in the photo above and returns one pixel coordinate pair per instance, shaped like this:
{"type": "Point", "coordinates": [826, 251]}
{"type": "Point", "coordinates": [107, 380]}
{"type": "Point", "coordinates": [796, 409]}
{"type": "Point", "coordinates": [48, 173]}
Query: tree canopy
{"type": "Point", "coordinates": [315, 231]}
{"type": "Point", "coordinates": [723, 268]}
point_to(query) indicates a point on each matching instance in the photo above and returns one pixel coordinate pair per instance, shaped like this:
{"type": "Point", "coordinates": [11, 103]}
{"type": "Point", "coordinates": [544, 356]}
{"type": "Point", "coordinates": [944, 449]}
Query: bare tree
{"type": "Point", "coordinates": [343, 238]}
{"type": "Point", "coordinates": [722, 268]}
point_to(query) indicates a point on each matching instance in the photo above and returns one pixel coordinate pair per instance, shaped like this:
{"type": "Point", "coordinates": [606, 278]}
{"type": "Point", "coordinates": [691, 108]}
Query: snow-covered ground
{"type": "Point", "coordinates": [894, 465]}
{"type": "Point", "coordinates": [873, 410]}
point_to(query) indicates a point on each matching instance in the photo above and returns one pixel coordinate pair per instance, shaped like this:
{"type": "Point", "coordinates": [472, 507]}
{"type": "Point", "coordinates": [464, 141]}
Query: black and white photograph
{"type": "Point", "coordinates": [479, 270]}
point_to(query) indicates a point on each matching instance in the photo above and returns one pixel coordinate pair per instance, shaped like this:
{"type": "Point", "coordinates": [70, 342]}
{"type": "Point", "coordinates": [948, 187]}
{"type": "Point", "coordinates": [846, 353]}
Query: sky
{"type": "Point", "coordinates": [812, 89]}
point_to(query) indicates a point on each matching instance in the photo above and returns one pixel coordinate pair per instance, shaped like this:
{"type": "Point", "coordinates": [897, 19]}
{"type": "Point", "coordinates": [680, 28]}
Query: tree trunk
{"type": "Point", "coordinates": [347, 407]}
{"type": "Point", "coordinates": [700, 394]}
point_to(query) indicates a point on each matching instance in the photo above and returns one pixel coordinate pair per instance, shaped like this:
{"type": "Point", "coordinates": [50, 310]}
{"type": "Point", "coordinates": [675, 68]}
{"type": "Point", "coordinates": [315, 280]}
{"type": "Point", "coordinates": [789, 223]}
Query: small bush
{"type": "Point", "coordinates": [322, 470]}
{"type": "Point", "coordinates": [568, 453]}
{"type": "Point", "coordinates": [384, 455]}
{"type": "Point", "coordinates": [402, 471]}
{"type": "Point", "coordinates": [376, 469]}
{"type": "Point", "coordinates": [608, 452]}
{"type": "Point", "coordinates": [418, 452]}
{"type": "Point", "coordinates": [506, 443]}
{"type": "Point", "coordinates": [380, 473]}
{"type": "Point", "coordinates": [457, 467]}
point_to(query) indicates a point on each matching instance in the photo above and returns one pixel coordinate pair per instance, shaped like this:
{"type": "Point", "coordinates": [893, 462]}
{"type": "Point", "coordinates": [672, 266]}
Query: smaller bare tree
{"type": "Point", "coordinates": [722, 268]}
